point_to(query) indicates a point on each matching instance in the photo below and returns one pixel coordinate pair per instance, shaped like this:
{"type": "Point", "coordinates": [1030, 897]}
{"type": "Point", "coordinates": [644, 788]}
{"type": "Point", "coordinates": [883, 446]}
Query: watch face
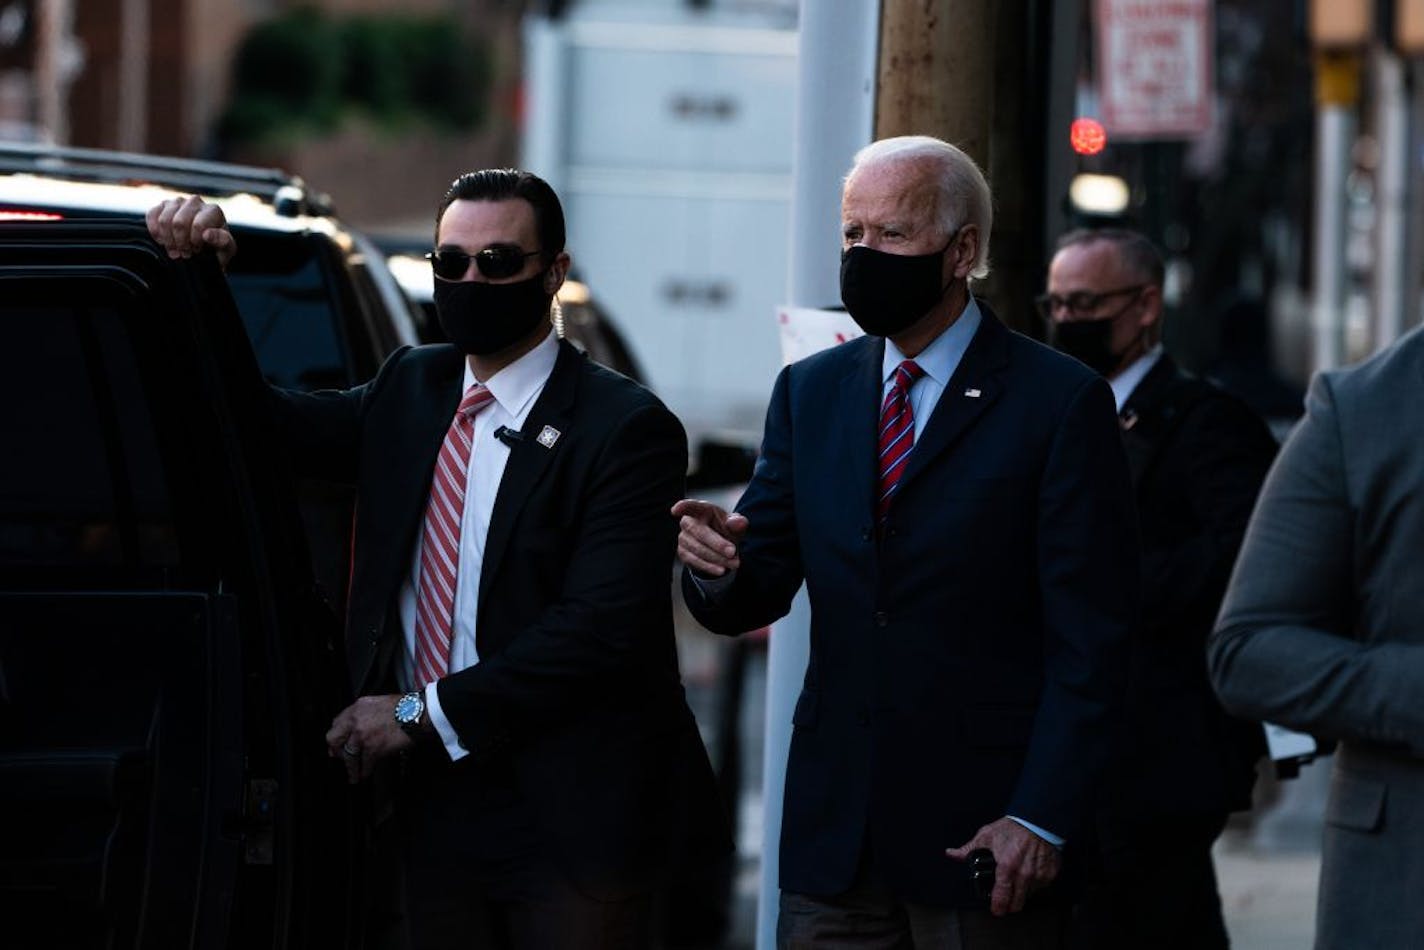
{"type": "Point", "coordinates": [409, 707]}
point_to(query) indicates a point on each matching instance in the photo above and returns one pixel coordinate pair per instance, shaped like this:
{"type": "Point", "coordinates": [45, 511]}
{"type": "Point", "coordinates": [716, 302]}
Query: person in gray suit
{"type": "Point", "coordinates": [1322, 630]}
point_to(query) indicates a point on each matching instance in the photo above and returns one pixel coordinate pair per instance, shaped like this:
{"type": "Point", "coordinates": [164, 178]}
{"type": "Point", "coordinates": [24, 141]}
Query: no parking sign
{"type": "Point", "coordinates": [1154, 65]}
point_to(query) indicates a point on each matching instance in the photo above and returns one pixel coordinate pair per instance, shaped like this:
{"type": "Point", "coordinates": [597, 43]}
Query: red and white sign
{"type": "Point", "coordinates": [1154, 65]}
{"type": "Point", "coordinates": [806, 330]}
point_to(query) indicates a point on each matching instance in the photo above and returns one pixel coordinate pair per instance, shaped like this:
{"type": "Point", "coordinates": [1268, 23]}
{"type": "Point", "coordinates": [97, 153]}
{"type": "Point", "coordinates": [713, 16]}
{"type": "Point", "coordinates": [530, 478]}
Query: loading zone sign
{"type": "Point", "coordinates": [1154, 67]}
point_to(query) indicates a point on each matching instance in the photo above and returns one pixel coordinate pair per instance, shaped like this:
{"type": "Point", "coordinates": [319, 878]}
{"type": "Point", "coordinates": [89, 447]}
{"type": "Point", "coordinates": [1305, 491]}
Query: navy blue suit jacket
{"type": "Point", "coordinates": [967, 660]}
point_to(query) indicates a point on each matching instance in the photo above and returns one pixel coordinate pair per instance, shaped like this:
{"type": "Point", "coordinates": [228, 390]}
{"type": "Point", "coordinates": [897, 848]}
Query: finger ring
{"type": "Point", "coordinates": [350, 750]}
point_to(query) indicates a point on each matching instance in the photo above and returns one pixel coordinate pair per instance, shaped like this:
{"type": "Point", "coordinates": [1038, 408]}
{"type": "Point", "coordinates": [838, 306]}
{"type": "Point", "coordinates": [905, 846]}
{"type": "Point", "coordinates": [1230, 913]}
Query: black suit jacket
{"type": "Point", "coordinates": [576, 698]}
{"type": "Point", "coordinates": [1199, 457]}
{"type": "Point", "coordinates": [967, 661]}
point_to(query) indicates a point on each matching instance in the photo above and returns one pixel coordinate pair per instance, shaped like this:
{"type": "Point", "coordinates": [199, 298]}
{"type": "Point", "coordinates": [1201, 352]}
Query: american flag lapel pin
{"type": "Point", "coordinates": [548, 436]}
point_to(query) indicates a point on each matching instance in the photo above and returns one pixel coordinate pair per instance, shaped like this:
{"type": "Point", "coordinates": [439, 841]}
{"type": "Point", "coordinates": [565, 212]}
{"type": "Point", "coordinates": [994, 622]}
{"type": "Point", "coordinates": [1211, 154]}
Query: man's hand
{"type": "Point", "coordinates": [707, 541]}
{"type": "Point", "coordinates": [1026, 863]}
{"type": "Point", "coordinates": [187, 226]}
{"type": "Point", "coordinates": [364, 733]}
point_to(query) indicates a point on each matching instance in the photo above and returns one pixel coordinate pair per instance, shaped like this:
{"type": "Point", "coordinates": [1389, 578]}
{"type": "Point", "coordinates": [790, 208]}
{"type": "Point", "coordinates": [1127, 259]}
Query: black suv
{"type": "Point", "coordinates": [316, 298]}
{"type": "Point", "coordinates": [318, 301]}
{"type": "Point", "coordinates": [166, 671]}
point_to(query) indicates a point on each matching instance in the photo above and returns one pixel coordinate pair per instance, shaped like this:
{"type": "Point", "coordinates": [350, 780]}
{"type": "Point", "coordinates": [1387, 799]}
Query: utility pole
{"type": "Point", "coordinates": [979, 74]}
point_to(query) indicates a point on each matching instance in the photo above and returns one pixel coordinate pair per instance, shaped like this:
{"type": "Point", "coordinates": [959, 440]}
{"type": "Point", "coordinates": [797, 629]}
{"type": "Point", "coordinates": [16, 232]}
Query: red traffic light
{"type": "Point", "coordinates": [1087, 136]}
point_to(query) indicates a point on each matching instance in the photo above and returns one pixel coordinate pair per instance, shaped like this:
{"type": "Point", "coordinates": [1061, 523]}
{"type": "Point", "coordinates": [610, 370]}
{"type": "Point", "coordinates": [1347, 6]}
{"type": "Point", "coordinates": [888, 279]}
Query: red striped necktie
{"type": "Point", "coordinates": [897, 433]}
{"type": "Point", "coordinates": [440, 543]}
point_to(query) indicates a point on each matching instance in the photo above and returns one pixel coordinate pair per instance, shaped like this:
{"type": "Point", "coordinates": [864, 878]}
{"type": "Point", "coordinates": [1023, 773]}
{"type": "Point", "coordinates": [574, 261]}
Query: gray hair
{"type": "Point", "coordinates": [964, 196]}
{"type": "Point", "coordinates": [1137, 253]}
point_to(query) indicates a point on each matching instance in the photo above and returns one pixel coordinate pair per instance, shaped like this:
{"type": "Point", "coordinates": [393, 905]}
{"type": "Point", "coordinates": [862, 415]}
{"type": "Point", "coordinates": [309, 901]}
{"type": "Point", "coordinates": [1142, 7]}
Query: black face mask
{"type": "Point", "coordinates": [1088, 342]}
{"type": "Point", "coordinates": [484, 318]}
{"type": "Point", "coordinates": [886, 293]}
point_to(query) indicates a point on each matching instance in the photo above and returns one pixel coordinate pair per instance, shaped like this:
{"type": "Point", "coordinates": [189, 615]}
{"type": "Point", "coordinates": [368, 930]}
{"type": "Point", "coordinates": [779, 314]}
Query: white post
{"type": "Point", "coordinates": [1392, 199]}
{"type": "Point", "coordinates": [835, 115]}
{"type": "Point", "coordinates": [1337, 94]}
{"type": "Point", "coordinates": [1334, 131]}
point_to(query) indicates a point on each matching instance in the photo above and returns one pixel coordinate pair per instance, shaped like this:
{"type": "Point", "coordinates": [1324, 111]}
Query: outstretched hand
{"type": "Point", "coordinates": [187, 226]}
{"type": "Point", "coordinates": [708, 537]}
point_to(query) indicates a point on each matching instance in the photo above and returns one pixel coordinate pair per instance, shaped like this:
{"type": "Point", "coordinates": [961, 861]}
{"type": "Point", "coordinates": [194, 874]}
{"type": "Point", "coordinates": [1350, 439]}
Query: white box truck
{"type": "Point", "coordinates": [666, 128]}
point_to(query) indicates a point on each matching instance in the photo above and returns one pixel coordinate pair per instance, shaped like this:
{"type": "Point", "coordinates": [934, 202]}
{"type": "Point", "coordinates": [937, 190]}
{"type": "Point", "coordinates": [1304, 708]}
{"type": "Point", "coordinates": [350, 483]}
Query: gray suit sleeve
{"type": "Point", "coordinates": [1286, 646]}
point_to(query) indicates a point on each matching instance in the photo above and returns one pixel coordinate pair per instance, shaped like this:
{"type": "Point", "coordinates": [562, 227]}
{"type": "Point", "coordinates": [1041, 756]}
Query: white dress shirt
{"type": "Point", "coordinates": [515, 389]}
{"type": "Point", "coordinates": [1125, 382]}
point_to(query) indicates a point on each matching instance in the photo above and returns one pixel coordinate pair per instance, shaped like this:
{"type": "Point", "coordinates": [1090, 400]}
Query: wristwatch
{"type": "Point", "coordinates": [410, 708]}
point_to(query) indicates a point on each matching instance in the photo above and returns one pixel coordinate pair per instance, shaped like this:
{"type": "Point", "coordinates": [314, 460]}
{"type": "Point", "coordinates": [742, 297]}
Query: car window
{"type": "Point", "coordinates": [85, 484]}
{"type": "Point", "coordinates": [282, 295]}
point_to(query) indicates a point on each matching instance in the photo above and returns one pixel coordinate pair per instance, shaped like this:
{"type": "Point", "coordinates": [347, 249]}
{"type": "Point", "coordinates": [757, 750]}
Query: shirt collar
{"type": "Point", "coordinates": [941, 358]}
{"type": "Point", "coordinates": [1125, 382]}
{"type": "Point", "coordinates": [516, 385]}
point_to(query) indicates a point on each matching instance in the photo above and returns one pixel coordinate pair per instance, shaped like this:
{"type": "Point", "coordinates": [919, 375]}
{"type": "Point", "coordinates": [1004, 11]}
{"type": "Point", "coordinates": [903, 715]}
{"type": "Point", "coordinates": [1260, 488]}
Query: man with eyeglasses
{"type": "Point", "coordinates": [1198, 458]}
{"type": "Point", "coordinates": [509, 631]}
{"type": "Point", "coordinates": [955, 498]}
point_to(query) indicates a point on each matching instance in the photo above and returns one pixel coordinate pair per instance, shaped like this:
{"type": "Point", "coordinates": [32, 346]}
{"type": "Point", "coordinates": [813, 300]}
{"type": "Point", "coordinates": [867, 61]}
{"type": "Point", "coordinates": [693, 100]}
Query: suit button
{"type": "Point", "coordinates": [893, 532]}
{"type": "Point", "coordinates": [881, 618]}
{"type": "Point", "coordinates": [862, 716]}
{"type": "Point", "coordinates": [866, 534]}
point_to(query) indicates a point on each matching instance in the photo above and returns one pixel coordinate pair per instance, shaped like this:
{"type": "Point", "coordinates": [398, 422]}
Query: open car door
{"type": "Point", "coordinates": [165, 676]}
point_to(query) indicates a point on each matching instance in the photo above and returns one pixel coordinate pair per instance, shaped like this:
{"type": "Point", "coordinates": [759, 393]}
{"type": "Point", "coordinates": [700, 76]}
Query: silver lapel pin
{"type": "Point", "coordinates": [548, 436]}
{"type": "Point", "coordinates": [972, 393]}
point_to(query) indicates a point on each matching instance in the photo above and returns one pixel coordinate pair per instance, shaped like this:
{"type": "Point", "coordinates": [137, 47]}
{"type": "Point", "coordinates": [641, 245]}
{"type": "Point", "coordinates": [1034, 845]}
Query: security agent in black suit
{"type": "Point", "coordinates": [1198, 458]}
{"type": "Point", "coordinates": [548, 776]}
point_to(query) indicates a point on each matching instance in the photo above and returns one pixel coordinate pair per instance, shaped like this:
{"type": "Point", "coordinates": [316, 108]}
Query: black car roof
{"type": "Point", "coordinates": [288, 194]}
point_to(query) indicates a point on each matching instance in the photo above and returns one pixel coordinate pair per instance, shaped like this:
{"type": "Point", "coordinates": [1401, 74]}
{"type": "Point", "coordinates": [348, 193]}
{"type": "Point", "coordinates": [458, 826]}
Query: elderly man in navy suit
{"type": "Point", "coordinates": [957, 500]}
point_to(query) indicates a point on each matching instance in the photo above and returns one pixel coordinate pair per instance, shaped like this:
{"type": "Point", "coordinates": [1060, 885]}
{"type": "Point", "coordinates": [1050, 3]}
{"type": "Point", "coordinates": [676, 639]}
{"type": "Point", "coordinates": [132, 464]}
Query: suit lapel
{"type": "Point", "coordinates": [973, 388]}
{"type": "Point", "coordinates": [420, 438]}
{"type": "Point", "coordinates": [859, 396]}
{"type": "Point", "coordinates": [1149, 392]}
{"type": "Point", "coordinates": [530, 457]}
{"type": "Point", "coordinates": [1146, 416]}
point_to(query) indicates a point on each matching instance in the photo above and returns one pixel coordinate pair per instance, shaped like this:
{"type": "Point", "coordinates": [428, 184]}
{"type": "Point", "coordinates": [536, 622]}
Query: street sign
{"type": "Point", "coordinates": [807, 330]}
{"type": "Point", "coordinates": [1154, 65]}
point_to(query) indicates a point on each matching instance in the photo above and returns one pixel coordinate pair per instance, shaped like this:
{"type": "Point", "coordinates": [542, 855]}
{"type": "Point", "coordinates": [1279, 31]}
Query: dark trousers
{"type": "Point", "coordinates": [1153, 885]}
{"type": "Point", "coordinates": [477, 873]}
{"type": "Point", "coordinates": [870, 917]}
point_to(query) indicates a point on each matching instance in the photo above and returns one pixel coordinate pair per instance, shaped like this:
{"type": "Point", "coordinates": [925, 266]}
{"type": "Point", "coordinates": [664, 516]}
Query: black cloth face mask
{"type": "Point", "coordinates": [483, 318]}
{"type": "Point", "coordinates": [886, 293]}
{"type": "Point", "coordinates": [1087, 341]}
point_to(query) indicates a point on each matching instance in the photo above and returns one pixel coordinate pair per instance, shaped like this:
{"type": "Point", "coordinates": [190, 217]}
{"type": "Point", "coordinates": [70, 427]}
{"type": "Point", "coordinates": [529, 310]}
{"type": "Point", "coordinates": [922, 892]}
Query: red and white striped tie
{"type": "Point", "coordinates": [440, 543]}
{"type": "Point", "coordinates": [897, 433]}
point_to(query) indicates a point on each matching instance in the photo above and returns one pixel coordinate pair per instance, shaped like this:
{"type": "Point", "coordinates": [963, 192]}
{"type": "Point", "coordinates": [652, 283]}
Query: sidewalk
{"type": "Point", "coordinates": [1268, 899]}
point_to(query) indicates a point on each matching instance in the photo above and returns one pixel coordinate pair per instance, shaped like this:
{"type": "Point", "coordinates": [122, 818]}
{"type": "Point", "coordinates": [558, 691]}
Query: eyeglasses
{"type": "Point", "coordinates": [1080, 304]}
{"type": "Point", "coordinates": [496, 262]}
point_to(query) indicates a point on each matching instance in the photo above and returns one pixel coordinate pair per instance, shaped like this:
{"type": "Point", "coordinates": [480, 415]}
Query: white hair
{"type": "Point", "coordinates": [964, 196]}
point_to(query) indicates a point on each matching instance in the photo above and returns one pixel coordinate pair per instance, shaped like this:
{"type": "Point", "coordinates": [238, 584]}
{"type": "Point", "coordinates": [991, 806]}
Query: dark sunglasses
{"type": "Point", "coordinates": [496, 262]}
{"type": "Point", "coordinates": [1082, 303]}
